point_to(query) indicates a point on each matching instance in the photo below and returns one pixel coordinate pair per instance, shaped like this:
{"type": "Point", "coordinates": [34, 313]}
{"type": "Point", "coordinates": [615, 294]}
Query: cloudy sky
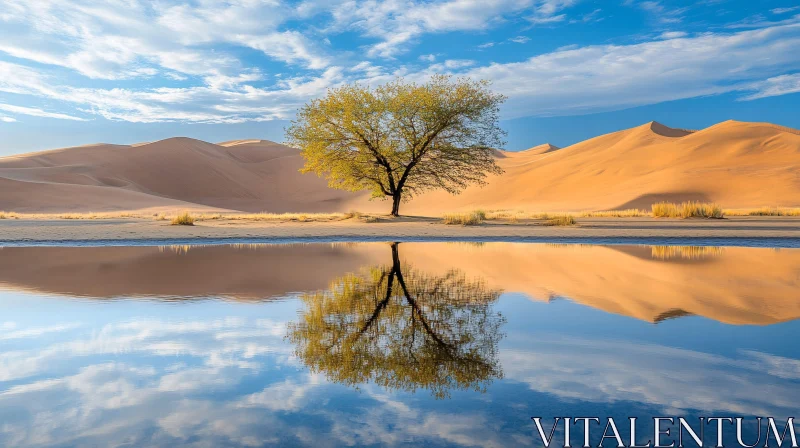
{"type": "Point", "coordinates": [123, 71]}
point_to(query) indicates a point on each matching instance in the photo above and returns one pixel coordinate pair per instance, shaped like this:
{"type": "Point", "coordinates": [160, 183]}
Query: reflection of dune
{"type": "Point", "coordinates": [733, 285]}
{"type": "Point", "coordinates": [251, 273]}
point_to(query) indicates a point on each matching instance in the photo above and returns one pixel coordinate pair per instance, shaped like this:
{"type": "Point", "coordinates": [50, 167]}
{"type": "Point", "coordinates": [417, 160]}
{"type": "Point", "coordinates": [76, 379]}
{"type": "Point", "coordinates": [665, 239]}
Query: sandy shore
{"type": "Point", "coordinates": [16, 231]}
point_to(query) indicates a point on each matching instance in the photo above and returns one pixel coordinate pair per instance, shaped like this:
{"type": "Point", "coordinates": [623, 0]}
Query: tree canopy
{"type": "Point", "coordinates": [400, 139]}
{"type": "Point", "coordinates": [402, 329]}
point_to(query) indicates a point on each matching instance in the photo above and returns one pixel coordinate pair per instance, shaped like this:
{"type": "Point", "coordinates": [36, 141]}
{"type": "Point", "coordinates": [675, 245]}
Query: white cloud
{"type": "Point", "coordinates": [34, 112]}
{"type": "Point", "coordinates": [397, 23]}
{"type": "Point", "coordinates": [123, 39]}
{"type": "Point", "coordinates": [784, 10]}
{"type": "Point", "coordinates": [289, 46]}
{"type": "Point", "coordinates": [776, 86]}
{"type": "Point", "coordinates": [184, 63]}
{"type": "Point", "coordinates": [658, 11]}
{"type": "Point", "coordinates": [672, 35]}
{"type": "Point", "coordinates": [5, 119]}
{"type": "Point", "coordinates": [606, 77]}
{"type": "Point", "coordinates": [591, 17]}
{"type": "Point", "coordinates": [547, 19]}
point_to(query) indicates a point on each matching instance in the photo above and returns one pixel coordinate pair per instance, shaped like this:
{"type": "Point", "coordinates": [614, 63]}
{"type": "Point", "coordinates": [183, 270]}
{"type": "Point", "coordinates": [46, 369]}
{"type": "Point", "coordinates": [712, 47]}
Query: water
{"type": "Point", "coordinates": [345, 344]}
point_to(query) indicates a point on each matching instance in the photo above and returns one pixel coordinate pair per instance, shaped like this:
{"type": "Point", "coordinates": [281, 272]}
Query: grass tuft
{"type": "Point", "coordinates": [687, 210]}
{"type": "Point", "coordinates": [765, 211]}
{"type": "Point", "coordinates": [629, 213]}
{"type": "Point", "coordinates": [278, 217]}
{"type": "Point", "coordinates": [560, 220]}
{"type": "Point", "coordinates": [184, 219]}
{"type": "Point", "coordinates": [472, 218]}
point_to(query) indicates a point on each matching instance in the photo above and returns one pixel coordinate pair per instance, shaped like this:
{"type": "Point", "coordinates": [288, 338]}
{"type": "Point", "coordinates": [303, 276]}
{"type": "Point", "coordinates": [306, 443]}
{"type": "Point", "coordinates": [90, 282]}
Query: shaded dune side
{"type": "Point", "coordinates": [249, 176]}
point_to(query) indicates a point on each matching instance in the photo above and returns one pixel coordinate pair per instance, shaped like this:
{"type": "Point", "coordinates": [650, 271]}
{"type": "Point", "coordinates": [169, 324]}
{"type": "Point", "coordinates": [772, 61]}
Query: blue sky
{"type": "Point", "coordinates": [82, 71]}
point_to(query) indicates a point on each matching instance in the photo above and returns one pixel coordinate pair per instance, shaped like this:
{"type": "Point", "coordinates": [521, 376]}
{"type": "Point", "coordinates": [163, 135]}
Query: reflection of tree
{"type": "Point", "coordinates": [402, 329]}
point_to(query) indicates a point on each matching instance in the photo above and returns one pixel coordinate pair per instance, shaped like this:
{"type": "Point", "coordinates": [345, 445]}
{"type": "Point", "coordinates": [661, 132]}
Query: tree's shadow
{"type": "Point", "coordinates": [402, 329]}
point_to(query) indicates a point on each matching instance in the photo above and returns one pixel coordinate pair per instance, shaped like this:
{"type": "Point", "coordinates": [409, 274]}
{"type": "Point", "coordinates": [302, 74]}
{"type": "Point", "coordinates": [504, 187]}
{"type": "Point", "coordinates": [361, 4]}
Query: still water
{"type": "Point", "coordinates": [372, 344]}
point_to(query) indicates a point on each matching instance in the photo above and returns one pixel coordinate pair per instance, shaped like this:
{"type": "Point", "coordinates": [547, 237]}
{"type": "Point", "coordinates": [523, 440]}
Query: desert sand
{"type": "Point", "coordinates": [733, 285]}
{"type": "Point", "coordinates": [736, 164]}
{"type": "Point", "coordinates": [772, 231]}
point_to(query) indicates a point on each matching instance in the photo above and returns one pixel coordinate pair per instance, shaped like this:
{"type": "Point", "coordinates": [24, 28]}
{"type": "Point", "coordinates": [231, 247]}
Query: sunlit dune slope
{"type": "Point", "coordinates": [733, 163]}
{"type": "Point", "coordinates": [736, 164]}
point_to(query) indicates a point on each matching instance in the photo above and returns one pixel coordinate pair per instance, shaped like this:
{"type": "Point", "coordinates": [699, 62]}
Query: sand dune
{"type": "Point", "coordinates": [731, 285]}
{"type": "Point", "coordinates": [250, 175]}
{"type": "Point", "coordinates": [736, 164]}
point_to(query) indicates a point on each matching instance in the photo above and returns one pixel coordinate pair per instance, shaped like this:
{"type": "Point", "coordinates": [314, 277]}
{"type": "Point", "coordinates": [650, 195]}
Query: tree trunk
{"type": "Point", "coordinates": [396, 204]}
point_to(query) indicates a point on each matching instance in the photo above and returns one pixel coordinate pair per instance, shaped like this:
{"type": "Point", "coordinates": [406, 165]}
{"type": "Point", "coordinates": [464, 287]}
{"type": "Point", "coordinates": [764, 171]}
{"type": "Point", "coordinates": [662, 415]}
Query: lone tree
{"type": "Point", "coordinates": [401, 139]}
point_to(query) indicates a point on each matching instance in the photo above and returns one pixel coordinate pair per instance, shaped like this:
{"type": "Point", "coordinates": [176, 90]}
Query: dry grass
{"type": "Point", "coordinates": [629, 213]}
{"type": "Point", "coordinates": [687, 210]}
{"type": "Point", "coordinates": [81, 216]}
{"type": "Point", "coordinates": [560, 220]}
{"type": "Point", "coordinates": [517, 215]}
{"type": "Point", "coordinates": [765, 211]}
{"type": "Point", "coordinates": [278, 217]}
{"type": "Point", "coordinates": [162, 216]}
{"type": "Point", "coordinates": [184, 219]}
{"type": "Point", "coordinates": [472, 218]}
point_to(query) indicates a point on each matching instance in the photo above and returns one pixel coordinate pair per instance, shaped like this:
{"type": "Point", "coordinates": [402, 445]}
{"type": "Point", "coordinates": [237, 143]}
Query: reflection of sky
{"type": "Point", "coordinates": [213, 373]}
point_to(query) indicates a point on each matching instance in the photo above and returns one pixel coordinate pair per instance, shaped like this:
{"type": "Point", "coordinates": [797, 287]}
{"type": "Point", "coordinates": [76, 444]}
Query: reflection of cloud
{"type": "Point", "coordinates": [170, 383]}
{"type": "Point", "coordinates": [777, 365]}
{"type": "Point", "coordinates": [193, 393]}
{"type": "Point", "coordinates": [656, 375]}
{"type": "Point", "coordinates": [289, 395]}
{"type": "Point", "coordinates": [32, 332]}
{"type": "Point", "coordinates": [395, 422]}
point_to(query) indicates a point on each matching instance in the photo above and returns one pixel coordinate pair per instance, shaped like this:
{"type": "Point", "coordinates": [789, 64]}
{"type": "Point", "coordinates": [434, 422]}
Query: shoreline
{"type": "Point", "coordinates": [738, 231]}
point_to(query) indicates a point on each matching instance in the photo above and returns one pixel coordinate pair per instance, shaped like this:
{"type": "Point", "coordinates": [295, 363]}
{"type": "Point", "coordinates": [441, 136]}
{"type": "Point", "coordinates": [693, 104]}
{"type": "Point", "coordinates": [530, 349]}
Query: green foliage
{"type": "Point", "coordinates": [402, 329]}
{"type": "Point", "coordinates": [401, 139]}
